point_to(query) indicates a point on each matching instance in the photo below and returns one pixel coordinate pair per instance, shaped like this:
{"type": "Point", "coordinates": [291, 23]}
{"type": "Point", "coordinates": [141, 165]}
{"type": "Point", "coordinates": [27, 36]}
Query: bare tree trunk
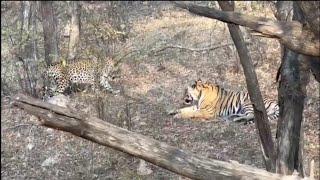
{"type": "Point", "coordinates": [27, 54]}
{"type": "Point", "coordinates": [311, 12]}
{"type": "Point", "coordinates": [284, 12]}
{"type": "Point", "coordinates": [260, 114]}
{"type": "Point", "coordinates": [74, 29]}
{"type": "Point", "coordinates": [24, 77]}
{"type": "Point", "coordinates": [50, 32]}
{"type": "Point", "coordinates": [291, 101]}
{"type": "Point", "coordinates": [171, 158]}
{"type": "Point", "coordinates": [36, 76]}
{"type": "Point", "coordinates": [315, 67]}
{"type": "Point", "coordinates": [294, 72]}
{"type": "Point", "coordinates": [25, 14]}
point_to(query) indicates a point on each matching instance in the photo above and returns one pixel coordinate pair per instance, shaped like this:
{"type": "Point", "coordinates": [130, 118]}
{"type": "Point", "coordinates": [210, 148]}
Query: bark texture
{"type": "Point", "coordinates": [49, 32]}
{"type": "Point", "coordinates": [74, 29]}
{"type": "Point", "coordinates": [294, 73]}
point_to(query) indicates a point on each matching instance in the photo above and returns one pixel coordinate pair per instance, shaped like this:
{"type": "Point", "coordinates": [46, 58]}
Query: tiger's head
{"type": "Point", "coordinates": [198, 89]}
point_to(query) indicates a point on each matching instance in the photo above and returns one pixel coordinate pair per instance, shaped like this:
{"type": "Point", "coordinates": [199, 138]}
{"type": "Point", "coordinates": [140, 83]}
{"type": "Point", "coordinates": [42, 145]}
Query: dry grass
{"type": "Point", "coordinates": [155, 82]}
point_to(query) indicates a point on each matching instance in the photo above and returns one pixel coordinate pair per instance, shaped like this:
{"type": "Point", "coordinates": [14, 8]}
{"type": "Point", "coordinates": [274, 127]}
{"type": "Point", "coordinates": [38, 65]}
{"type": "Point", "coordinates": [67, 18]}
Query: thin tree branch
{"type": "Point", "coordinates": [191, 49]}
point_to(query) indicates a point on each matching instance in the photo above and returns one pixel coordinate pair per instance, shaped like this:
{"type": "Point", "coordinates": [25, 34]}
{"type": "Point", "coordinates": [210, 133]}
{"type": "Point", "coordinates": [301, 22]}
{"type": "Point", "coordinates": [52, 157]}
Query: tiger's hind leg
{"type": "Point", "coordinates": [246, 114]}
{"type": "Point", "coordinates": [247, 119]}
{"type": "Point", "coordinates": [244, 117]}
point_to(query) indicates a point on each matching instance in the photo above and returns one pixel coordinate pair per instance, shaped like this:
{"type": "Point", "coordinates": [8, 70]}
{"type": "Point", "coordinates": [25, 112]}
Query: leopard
{"type": "Point", "coordinates": [62, 78]}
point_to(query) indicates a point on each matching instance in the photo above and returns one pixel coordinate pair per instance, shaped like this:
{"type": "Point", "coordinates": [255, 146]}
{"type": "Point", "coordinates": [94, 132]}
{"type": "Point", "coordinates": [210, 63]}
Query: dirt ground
{"type": "Point", "coordinates": [171, 52]}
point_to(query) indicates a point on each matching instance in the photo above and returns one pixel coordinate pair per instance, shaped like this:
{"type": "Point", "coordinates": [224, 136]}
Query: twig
{"type": "Point", "coordinates": [128, 116]}
{"type": "Point", "coordinates": [16, 126]}
{"type": "Point", "coordinates": [92, 158]}
{"type": "Point", "coordinates": [123, 56]}
{"type": "Point", "coordinates": [259, 34]}
{"type": "Point", "coordinates": [311, 169]}
{"type": "Point", "coordinates": [192, 49]}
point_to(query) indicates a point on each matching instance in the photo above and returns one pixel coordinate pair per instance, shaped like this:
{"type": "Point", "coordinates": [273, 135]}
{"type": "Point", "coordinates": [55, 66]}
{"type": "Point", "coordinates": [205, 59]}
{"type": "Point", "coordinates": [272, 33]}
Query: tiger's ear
{"type": "Point", "coordinates": [199, 81]}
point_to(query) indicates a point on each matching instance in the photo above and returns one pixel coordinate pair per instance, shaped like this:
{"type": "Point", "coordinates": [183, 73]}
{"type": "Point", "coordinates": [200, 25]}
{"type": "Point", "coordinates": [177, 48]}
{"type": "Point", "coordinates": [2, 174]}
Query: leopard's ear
{"type": "Point", "coordinates": [63, 62]}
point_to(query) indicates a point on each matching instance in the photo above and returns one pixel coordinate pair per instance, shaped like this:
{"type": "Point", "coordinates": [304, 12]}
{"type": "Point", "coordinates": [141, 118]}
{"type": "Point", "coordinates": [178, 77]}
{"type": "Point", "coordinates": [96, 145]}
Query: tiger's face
{"type": "Point", "coordinates": [198, 89]}
{"type": "Point", "coordinates": [193, 92]}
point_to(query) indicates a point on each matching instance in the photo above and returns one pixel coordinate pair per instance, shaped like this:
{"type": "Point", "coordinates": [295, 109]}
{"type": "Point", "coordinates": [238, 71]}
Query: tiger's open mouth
{"type": "Point", "coordinates": [188, 100]}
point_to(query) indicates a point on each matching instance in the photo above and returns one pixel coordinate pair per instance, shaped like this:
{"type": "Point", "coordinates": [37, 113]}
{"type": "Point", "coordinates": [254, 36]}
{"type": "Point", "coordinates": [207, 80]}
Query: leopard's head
{"type": "Point", "coordinates": [54, 80]}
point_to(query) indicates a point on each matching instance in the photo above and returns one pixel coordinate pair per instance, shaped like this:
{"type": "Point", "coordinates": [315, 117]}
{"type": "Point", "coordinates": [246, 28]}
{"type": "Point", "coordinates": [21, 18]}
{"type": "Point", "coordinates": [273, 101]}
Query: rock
{"type": "Point", "coordinates": [59, 100]}
{"type": "Point", "coordinates": [49, 161]}
{"type": "Point", "coordinates": [49, 130]}
{"type": "Point", "coordinates": [143, 169]}
{"type": "Point", "coordinates": [122, 26]}
{"type": "Point", "coordinates": [30, 146]}
{"type": "Point", "coordinates": [247, 162]}
{"type": "Point", "coordinates": [222, 142]}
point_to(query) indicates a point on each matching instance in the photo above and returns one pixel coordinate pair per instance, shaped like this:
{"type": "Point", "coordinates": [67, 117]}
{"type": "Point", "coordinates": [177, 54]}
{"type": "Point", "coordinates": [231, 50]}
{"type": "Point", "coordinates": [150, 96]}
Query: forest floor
{"type": "Point", "coordinates": [172, 52]}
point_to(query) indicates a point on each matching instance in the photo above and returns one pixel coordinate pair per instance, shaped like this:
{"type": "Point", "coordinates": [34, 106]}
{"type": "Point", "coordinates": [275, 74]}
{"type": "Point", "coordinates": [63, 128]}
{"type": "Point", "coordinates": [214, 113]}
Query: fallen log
{"type": "Point", "coordinates": [291, 34]}
{"type": "Point", "coordinates": [171, 158]}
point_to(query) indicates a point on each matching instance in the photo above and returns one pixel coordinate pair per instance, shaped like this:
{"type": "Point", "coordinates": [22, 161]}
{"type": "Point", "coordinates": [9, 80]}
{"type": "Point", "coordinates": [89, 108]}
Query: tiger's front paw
{"type": "Point", "coordinates": [177, 116]}
{"type": "Point", "coordinates": [174, 113]}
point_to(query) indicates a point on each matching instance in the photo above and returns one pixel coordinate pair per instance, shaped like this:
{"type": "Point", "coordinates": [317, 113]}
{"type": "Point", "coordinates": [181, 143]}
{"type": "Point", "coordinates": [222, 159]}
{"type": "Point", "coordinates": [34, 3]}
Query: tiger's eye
{"type": "Point", "coordinates": [193, 86]}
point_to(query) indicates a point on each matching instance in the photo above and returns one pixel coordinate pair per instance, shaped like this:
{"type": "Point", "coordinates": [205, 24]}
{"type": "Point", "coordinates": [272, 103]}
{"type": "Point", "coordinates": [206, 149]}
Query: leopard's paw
{"type": "Point", "coordinates": [116, 91]}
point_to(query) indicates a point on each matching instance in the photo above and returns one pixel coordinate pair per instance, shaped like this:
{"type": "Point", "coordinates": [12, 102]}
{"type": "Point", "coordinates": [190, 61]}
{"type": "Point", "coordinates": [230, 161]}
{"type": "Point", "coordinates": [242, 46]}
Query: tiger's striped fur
{"type": "Point", "coordinates": [211, 101]}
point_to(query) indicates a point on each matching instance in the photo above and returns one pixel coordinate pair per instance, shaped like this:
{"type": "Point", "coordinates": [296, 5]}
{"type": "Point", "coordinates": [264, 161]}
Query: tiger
{"type": "Point", "coordinates": [210, 101]}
